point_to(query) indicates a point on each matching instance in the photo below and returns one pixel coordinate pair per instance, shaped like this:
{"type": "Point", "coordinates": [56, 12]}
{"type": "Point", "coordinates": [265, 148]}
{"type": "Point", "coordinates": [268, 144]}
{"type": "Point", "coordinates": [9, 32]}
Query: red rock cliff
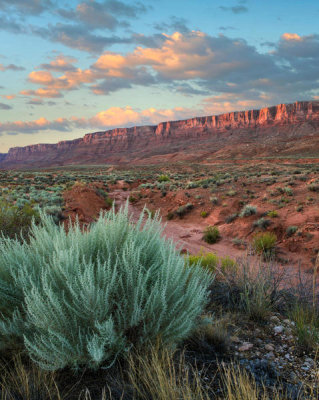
{"type": "Point", "coordinates": [287, 123]}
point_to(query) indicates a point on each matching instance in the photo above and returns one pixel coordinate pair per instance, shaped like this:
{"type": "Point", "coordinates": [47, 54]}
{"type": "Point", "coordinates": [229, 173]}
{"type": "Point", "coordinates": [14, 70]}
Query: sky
{"type": "Point", "coordinates": [69, 67]}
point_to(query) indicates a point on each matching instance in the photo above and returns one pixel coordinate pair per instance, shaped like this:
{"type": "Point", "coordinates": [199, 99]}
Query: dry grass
{"type": "Point", "coordinates": [160, 374]}
{"type": "Point", "coordinates": [156, 376]}
{"type": "Point", "coordinates": [27, 382]}
{"type": "Point", "coordinates": [238, 385]}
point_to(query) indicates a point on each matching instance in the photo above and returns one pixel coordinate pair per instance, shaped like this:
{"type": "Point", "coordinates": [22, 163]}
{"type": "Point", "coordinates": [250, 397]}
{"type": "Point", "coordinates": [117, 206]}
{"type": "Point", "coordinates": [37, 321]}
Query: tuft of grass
{"type": "Point", "coordinates": [265, 243]}
{"type": "Point", "coordinates": [163, 178]}
{"type": "Point", "coordinates": [214, 332]}
{"type": "Point", "coordinates": [306, 328]}
{"type": "Point", "coordinates": [211, 234]}
{"type": "Point", "coordinates": [156, 375]}
{"type": "Point", "coordinates": [273, 214]}
{"type": "Point", "coordinates": [27, 382]}
{"type": "Point", "coordinates": [132, 199]}
{"type": "Point", "coordinates": [210, 261]}
{"type": "Point", "coordinates": [204, 214]}
{"type": "Point", "coordinates": [238, 384]}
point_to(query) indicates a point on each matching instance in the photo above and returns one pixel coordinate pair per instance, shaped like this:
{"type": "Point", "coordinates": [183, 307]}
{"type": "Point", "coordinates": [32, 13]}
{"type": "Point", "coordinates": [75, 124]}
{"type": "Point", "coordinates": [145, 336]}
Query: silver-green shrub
{"type": "Point", "coordinates": [83, 298]}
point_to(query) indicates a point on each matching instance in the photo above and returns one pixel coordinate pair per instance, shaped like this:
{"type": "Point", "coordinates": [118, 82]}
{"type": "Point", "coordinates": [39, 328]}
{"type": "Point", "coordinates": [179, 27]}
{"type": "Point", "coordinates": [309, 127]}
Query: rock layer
{"type": "Point", "coordinates": [285, 129]}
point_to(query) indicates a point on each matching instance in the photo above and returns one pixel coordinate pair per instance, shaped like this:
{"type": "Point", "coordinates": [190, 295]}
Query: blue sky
{"type": "Point", "coordinates": [72, 67]}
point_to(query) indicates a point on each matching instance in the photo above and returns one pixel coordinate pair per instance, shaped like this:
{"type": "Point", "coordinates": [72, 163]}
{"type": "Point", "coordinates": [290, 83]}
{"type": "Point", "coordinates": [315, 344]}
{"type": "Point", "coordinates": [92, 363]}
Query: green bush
{"type": "Point", "coordinates": [231, 218]}
{"type": "Point", "coordinates": [265, 243]}
{"type": "Point", "coordinates": [273, 214]}
{"type": "Point", "coordinates": [170, 215]}
{"type": "Point", "coordinates": [204, 214]}
{"type": "Point", "coordinates": [313, 187]}
{"type": "Point", "coordinates": [132, 199]}
{"type": "Point", "coordinates": [262, 223]}
{"type": "Point", "coordinates": [183, 210]}
{"type": "Point", "coordinates": [248, 210]}
{"type": "Point", "coordinates": [84, 298]}
{"type": "Point", "coordinates": [210, 261]}
{"type": "Point", "coordinates": [15, 221]}
{"type": "Point", "coordinates": [291, 230]}
{"type": "Point", "coordinates": [163, 178]}
{"type": "Point", "coordinates": [211, 234]}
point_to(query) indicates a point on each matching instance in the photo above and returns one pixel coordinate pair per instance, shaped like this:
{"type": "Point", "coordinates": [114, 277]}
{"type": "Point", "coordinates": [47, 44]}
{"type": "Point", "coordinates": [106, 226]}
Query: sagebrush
{"type": "Point", "coordinates": [85, 297]}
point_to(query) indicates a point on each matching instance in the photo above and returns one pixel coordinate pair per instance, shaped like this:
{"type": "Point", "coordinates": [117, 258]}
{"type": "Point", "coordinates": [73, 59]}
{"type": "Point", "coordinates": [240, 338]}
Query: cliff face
{"type": "Point", "coordinates": [281, 126]}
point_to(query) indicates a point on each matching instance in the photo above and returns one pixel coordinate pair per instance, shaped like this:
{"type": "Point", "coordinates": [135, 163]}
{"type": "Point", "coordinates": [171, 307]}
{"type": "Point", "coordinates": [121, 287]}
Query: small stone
{"type": "Point", "coordinates": [309, 361]}
{"type": "Point", "coordinates": [269, 347]}
{"type": "Point", "coordinates": [270, 355]}
{"type": "Point", "coordinates": [278, 329]}
{"type": "Point", "coordinates": [245, 346]}
{"type": "Point", "coordinates": [274, 319]}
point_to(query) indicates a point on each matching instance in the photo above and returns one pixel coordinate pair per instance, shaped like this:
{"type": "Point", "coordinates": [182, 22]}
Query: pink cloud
{"type": "Point", "coordinates": [110, 118]}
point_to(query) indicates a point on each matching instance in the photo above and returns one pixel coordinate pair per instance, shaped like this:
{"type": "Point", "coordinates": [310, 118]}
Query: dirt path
{"type": "Point", "coordinates": [188, 236]}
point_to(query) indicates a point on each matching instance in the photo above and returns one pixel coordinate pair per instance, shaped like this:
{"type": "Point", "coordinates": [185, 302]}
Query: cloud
{"type": "Point", "coordinates": [227, 28]}
{"type": "Point", "coordinates": [32, 7]}
{"type": "Point", "coordinates": [9, 96]}
{"type": "Point", "coordinates": [235, 9]}
{"type": "Point", "coordinates": [292, 46]}
{"type": "Point", "coordinates": [11, 67]}
{"type": "Point", "coordinates": [291, 36]}
{"type": "Point", "coordinates": [82, 25]}
{"type": "Point", "coordinates": [107, 119]}
{"type": "Point", "coordinates": [127, 116]}
{"type": "Point", "coordinates": [60, 63]}
{"type": "Point", "coordinates": [194, 55]}
{"type": "Point", "coordinates": [11, 25]}
{"type": "Point", "coordinates": [174, 24]}
{"type": "Point", "coordinates": [103, 14]}
{"type": "Point", "coordinates": [42, 92]}
{"type": "Point", "coordinates": [78, 37]}
{"type": "Point", "coordinates": [30, 127]}
{"type": "Point", "coordinates": [195, 63]}
{"type": "Point", "coordinates": [5, 106]}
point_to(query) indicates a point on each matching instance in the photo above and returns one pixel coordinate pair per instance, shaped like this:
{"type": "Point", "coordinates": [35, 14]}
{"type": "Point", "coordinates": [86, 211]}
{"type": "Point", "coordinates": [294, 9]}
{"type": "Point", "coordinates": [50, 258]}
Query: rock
{"type": "Point", "coordinates": [245, 346]}
{"type": "Point", "coordinates": [288, 322]}
{"type": "Point", "coordinates": [235, 339]}
{"type": "Point", "coordinates": [278, 329]}
{"type": "Point", "coordinates": [274, 319]}
{"type": "Point", "coordinates": [269, 347]}
{"type": "Point", "coordinates": [309, 361]}
{"type": "Point", "coordinates": [138, 143]}
{"type": "Point", "coordinates": [270, 355]}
